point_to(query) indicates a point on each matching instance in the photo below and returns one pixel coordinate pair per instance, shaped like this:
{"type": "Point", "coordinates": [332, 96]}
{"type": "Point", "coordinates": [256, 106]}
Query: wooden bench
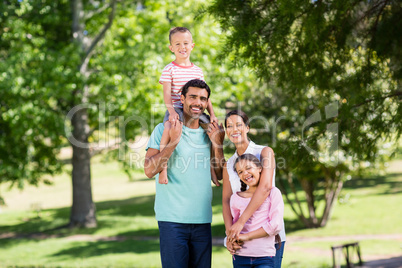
{"type": "Point", "coordinates": [348, 254]}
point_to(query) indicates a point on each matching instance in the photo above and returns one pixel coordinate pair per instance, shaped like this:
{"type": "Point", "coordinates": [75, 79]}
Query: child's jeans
{"type": "Point", "coordinates": [253, 262]}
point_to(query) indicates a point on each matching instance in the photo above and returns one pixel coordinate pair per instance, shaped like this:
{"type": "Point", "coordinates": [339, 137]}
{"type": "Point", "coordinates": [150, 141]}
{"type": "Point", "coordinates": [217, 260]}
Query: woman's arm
{"type": "Point", "coordinates": [275, 213]}
{"type": "Point", "coordinates": [274, 223]}
{"type": "Point", "coordinates": [226, 194]}
{"type": "Point", "coordinates": [262, 192]}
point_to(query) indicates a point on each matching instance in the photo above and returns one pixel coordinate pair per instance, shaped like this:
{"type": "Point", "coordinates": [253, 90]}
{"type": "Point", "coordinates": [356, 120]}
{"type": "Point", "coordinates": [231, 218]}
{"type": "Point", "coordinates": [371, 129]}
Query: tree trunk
{"type": "Point", "coordinates": [329, 201]}
{"type": "Point", "coordinates": [299, 212]}
{"type": "Point", "coordinates": [83, 208]}
{"type": "Point", "coordinates": [308, 187]}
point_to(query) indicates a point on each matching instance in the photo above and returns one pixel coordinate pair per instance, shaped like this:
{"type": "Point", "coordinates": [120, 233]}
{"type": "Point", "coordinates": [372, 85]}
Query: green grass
{"type": "Point", "coordinates": [125, 210]}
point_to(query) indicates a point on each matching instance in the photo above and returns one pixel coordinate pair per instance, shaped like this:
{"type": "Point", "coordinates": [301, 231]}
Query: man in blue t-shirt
{"type": "Point", "coordinates": [183, 206]}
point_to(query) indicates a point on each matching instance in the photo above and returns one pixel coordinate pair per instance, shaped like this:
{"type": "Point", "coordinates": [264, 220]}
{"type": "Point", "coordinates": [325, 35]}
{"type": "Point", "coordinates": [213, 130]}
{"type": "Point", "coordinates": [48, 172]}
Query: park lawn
{"type": "Point", "coordinates": [125, 211]}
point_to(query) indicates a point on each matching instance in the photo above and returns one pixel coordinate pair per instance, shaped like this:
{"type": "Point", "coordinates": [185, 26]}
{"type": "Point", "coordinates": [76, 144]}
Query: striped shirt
{"type": "Point", "coordinates": [178, 76]}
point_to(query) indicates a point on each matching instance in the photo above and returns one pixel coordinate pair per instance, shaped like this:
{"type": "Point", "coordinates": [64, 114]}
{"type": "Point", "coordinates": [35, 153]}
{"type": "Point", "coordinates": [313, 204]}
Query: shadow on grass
{"type": "Point", "coordinates": [92, 249]}
{"type": "Point", "coordinates": [109, 213]}
{"type": "Point", "coordinates": [293, 225]}
{"type": "Point", "coordinates": [390, 184]}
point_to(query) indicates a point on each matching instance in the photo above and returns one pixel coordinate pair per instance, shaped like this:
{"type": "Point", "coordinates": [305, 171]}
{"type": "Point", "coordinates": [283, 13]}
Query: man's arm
{"type": "Point", "coordinates": [155, 160]}
{"type": "Point", "coordinates": [216, 135]}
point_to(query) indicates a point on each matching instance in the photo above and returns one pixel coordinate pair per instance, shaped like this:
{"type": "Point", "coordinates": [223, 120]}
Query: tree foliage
{"type": "Point", "coordinates": [331, 87]}
{"type": "Point", "coordinates": [84, 74]}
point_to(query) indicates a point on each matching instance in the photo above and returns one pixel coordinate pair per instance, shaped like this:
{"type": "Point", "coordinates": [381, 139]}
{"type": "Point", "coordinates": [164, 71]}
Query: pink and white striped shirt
{"type": "Point", "coordinates": [178, 76]}
{"type": "Point", "coordinates": [268, 216]}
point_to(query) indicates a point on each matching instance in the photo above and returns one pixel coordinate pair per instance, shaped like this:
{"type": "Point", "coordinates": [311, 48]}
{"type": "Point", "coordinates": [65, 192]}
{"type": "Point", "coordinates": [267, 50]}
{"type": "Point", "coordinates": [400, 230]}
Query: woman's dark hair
{"type": "Point", "coordinates": [239, 113]}
{"type": "Point", "coordinates": [248, 157]}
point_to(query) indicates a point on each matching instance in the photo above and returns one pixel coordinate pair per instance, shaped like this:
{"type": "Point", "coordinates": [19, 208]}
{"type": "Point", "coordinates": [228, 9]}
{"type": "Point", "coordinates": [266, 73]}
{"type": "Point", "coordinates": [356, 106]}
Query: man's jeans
{"type": "Point", "coordinates": [185, 245]}
{"type": "Point", "coordinates": [254, 262]}
{"type": "Point", "coordinates": [279, 255]}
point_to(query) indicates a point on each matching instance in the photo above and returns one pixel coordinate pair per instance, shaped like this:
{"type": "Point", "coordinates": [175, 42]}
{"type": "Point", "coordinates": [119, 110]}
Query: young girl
{"type": "Point", "coordinates": [258, 235]}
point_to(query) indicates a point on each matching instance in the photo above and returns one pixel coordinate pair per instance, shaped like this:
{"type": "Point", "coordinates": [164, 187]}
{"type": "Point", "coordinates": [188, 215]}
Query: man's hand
{"type": "Point", "coordinates": [216, 134]}
{"type": "Point", "coordinates": [214, 178]}
{"type": "Point", "coordinates": [175, 131]}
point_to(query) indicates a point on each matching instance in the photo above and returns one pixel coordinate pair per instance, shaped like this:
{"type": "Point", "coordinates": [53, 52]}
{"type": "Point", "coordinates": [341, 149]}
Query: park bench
{"type": "Point", "coordinates": [349, 254]}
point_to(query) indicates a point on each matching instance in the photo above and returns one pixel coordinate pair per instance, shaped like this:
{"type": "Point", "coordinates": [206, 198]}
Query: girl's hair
{"type": "Point", "coordinates": [240, 113]}
{"type": "Point", "coordinates": [248, 157]}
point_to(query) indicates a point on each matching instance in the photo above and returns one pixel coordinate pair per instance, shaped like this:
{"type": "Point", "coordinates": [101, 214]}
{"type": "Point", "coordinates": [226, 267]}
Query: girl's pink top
{"type": "Point", "coordinates": [268, 216]}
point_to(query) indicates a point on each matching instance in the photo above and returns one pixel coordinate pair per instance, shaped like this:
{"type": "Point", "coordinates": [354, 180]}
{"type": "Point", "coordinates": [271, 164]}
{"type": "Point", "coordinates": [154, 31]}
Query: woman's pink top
{"type": "Point", "coordinates": [268, 216]}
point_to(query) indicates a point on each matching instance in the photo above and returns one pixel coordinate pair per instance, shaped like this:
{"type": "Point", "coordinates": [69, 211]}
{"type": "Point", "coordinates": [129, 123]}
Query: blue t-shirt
{"type": "Point", "coordinates": [187, 196]}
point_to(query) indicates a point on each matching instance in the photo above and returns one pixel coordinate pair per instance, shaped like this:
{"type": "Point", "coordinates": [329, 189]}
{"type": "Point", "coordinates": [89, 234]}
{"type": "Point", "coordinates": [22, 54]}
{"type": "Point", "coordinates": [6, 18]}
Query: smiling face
{"type": "Point", "coordinates": [181, 45]}
{"type": "Point", "coordinates": [194, 102]}
{"type": "Point", "coordinates": [236, 129]}
{"type": "Point", "coordinates": [248, 172]}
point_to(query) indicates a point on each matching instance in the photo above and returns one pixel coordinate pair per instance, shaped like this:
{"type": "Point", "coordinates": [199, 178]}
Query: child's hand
{"type": "Point", "coordinates": [213, 119]}
{"type": "Point", "coordinates": [229, 247]}
{"type": "Point", "coordinates": [173, 116]}
{"type": "Point", "coordinates": [232, 247]}
{"type": "Point", "coordinates": [243, 237]}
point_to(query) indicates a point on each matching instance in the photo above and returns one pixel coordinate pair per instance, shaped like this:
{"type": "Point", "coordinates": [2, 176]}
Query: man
{"type": "Point", "coordinates": [183, 206]}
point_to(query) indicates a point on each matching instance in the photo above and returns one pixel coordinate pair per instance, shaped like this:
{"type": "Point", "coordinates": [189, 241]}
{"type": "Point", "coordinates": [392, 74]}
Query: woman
{"type": "Point", "coordinates": [237, 128]}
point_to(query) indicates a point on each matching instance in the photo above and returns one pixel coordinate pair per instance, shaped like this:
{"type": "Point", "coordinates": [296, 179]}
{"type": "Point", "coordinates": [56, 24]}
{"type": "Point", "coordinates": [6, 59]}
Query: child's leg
{"type": "Point", "coordinates": [204, 121]}
{"type": "Point", "coordinates": [163, 179]}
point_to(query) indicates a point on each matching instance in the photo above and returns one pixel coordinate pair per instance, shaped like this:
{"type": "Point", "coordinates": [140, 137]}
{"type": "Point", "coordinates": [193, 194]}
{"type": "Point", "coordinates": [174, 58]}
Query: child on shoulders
{"type": "Point", "coordinates": [174, 76]}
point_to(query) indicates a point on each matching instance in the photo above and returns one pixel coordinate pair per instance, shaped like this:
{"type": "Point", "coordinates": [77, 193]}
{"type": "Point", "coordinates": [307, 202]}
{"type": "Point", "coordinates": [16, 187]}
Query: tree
{"type": "Point", "coordinates": [85, 74]}
{"type": "Point", "coordinates": [331, 78]}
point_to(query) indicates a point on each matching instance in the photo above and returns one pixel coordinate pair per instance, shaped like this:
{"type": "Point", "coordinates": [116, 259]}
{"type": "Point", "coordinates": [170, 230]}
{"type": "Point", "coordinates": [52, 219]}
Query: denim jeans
{"type": "Point", "coordinates": [252, 262]}
{"type": "Point", "coordinates": [185, 245]}
{"type": "Point", "coordinates": [279, 255]}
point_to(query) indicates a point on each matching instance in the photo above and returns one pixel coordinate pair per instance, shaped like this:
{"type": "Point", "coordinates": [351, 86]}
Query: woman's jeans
{"type": "Point", "coordinates": [279, 255]}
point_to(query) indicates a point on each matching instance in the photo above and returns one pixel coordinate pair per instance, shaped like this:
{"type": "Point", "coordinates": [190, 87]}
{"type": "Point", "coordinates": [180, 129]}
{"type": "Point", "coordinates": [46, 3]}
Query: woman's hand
{"type": "Point", "coordinates": [278, 240]}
